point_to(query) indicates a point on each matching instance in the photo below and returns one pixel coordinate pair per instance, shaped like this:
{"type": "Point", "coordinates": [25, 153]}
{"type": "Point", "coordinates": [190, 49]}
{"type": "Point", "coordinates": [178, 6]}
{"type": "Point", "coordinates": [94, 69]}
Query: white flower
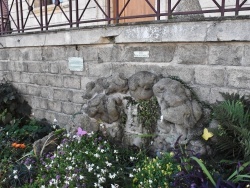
{"type": "Point", "coordinates": [81, 177]}
{"type": "Point", "coordinates": [131, 175]}
{"type": "Point", "coordinates": [16, 177]}
{"type": "Point", "coordinates": [114, 186]}
{"type": "Point", "coordinates": [96, 155]}
{"type": "Point", "coordinates": [108, 164]}
{"type": "Point", "coordinates": [102, 150]}
{"type": "Point", "coordinates": [7, 133]}
{"type": "Point", "coordinates": [29, 167]}
{"type": "Point", "coordinates": [115, 151]}
{"type": "Point", "coordinates": [42, 186]}
{"type": "Point", "coordinates": [55, 120]}
{"type": "Point", "coordinates": [14, 171]}
{"type": "Point", "coordinates": [161, 118]}
{"type": "Point", "coordinates": [112, 176]}
{"type": "Point", "coordinates": [150, 181]}
{"type": "Point", "coordinates": [66, 182]}
{"type": "Point", "coordinates": [132, 158]}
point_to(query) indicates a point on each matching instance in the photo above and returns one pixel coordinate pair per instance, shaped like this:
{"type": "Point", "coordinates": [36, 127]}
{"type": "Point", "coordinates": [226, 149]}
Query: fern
{"type": "Point", "coordinates": [233, 134]}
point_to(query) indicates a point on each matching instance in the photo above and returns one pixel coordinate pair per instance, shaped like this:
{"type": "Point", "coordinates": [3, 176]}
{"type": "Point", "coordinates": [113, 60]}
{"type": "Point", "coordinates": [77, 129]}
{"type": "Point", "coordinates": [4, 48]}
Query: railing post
{"type": "Point", "coordinates": [237, 7]}
{"type": "Point", "coordinates": [2, 17]}
{"type": "Point", "coordinates": [17, 17]}
{"type": "Point", "coordinates": [21, 12]}
{"type": "Point", "coordinates": [70, 13]}
{"type": "Point", "coordinates": [77, 14]}
{"type": "Point", "coordinates": [169, 9]}
{"type": "Point", "coordinates": [158, 9]}
{"type": "Point", "coordinates": [117, 11]}
{"type": "Point", "coordinates": [108, 6]}
{"type": "Point", "coordinates": [41, 14]}
{"type": "Point", "coordinates": [222, 7]}
{"type": "Point", "coordinates": [46, 15]}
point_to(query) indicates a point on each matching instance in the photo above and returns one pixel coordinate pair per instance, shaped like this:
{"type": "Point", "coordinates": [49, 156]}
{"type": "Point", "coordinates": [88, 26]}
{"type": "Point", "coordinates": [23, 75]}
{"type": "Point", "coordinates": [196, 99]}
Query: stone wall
{"type": "Point", "coordinates": [212, 56]}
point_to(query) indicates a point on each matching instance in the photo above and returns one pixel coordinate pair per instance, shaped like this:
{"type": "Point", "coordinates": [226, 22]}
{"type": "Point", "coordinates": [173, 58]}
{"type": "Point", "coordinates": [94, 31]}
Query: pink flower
{"type": "Point", "coordinates": [80, 132]}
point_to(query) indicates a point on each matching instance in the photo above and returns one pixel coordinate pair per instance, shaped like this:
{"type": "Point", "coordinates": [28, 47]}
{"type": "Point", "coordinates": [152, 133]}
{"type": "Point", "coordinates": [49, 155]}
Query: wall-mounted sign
{"type": "Point", "coordinates": [141, 53]}
{"type": "Point", "coordinates": [75, 64]}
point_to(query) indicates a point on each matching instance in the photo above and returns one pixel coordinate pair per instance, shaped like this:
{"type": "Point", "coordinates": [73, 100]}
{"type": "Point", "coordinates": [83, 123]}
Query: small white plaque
{"type": "Point", "coordinates": [75, 64]}
{"type": "Point", "coordinates": [141, 53]}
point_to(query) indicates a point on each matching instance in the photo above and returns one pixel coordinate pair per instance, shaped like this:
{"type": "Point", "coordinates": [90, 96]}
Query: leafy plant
{"type": "Point", "coordinates": [233, 133]}
{"type": "Point", "coordinates": [156, 172]}
{"type": "Point", "coordinates": [85, 160]}
{"type": "Point", "coordinates": [12, 105]}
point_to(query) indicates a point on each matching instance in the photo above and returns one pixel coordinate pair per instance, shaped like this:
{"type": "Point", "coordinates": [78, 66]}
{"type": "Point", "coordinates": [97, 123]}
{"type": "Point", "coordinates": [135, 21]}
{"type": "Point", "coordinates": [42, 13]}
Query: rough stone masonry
{"type": "Point", "coordinates": [211, 55]}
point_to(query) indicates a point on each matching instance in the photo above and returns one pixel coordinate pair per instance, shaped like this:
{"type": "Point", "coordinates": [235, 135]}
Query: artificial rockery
{"type": "Point", "coordinates": [144, 110]}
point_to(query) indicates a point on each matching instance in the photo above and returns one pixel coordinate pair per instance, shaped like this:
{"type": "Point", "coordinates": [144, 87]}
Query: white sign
{"type": "Point", "coordinates": [75, 64]}
{"type": "Point", "coordinates": [141, 53]}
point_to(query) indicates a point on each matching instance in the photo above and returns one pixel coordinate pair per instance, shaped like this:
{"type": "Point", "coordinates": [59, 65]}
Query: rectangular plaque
{"type": "Point", "coordinates": [141, 53]}
{"type": "Point", "coordinates": [75, 64]}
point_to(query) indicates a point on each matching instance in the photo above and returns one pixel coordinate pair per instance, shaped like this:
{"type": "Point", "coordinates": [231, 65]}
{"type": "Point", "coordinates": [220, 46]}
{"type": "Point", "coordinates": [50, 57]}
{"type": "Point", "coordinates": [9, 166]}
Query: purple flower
{"type": "Point", "coordinates": [80, 132]}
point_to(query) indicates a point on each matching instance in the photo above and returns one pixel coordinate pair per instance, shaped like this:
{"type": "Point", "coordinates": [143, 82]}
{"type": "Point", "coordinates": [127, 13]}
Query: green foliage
{"type": "Point", "coordinates": [148, 112]}
{"type": "Point", "coordinates": [233, 133]}
{"type": "Point", "coordinates": [12, 105]}
{"type": "Point", "coordinates": [87, 161]}
{"type": "Point", "coordinates": [156, 172]}
{"type": "Point", "coordinates": [25, 134]}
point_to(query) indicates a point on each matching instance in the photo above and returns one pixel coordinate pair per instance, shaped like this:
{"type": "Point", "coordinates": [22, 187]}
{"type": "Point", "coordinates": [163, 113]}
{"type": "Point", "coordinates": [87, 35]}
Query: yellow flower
{"type": "Point", "coordinates": [206, 134]}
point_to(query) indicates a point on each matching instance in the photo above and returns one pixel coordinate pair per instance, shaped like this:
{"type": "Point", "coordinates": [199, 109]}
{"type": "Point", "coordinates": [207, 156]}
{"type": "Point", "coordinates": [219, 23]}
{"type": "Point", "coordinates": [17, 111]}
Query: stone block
{"type": "Point", "coordinates": [157, 53]}
{"type": "Point", "coordinates": [31, 54]}
{"type": "Point", "coordinates": [183, 32]}
{"type": "Point", "coordinates": [246, 58]}
{"type": "Point", "coordinates": [225, 54]}
{"type": "Point", "coordinates": [238, 77]}
{"type": "Point", "coordinates": [15, 54]}
{"type": "Point", "coordinates": [69, 108]}
{"type": "Point", "coordinates": [54, 80]}
{"type": "Point", "coordinates": [40, 79]}
{"type": "Point", "coordinates": [21, 66]}
{"type": "Point", "coordinates": [73, 82]}
{"type": "Point", "coordinates": [34, 67]}
{"type": "Point", "coordinates": [54, 105]}
{"type": "Point", "coordinates": [72, 51]}
{"type": "Point", "coordinates": [39, 113]}
{"type": "Point", "coordinates": [140, 33]}
{"type": "Point", "coordinates": [77, 97]}
{"type": "Point", "coordinates": [22, 88]}
{"type": "Point", "coordinates": [54, 68]}
{"type": "Point", "coordinates": [127, 68]}
{"type": "Point", "coordinates": [88, 53]}
{"type": "Point", "coordinates": [11, 66]}
{"type": "Point", "coordinates": [3, 65]}
{"type": "Point", "coordinates": [85, 80]}
{"type": "Point", "coordinates": [4, 54]}
{"type": "Point", "coordinates": [50, 116]}
{"type": "Point", "coordinates": [63, 95]}
{"type": "Point", "coordinates": [16, 76]}
{"type": "Point", "coordinates": [33, 90]}
{"type": "Point", "coordinates": [100, 69]}
{"type": "Point", "coordinates": [192, 54]}
{"type": "Point", "coordinates": [185, 73]}
{"type": "Point", "coordinates": [47, 92]}
{"type": "Point", "coordinates": [39, 102]}
{"type": "Point", "coordinates": [203, 93]}
{"type": "Point", "coordinates": [64, 68]}
{"type": "Point", "coordinates": [44, 67]}
{"type": "Point", "coordinates": [62, 119]}
{"type": "Point", "coordinates": [210, 75]}
{"type": "Point", "coordinates": [53, 53]}
{"type": "Point", "coordinates": [26, 77]}
{"type": "Point", "coordinates": [215, 94]}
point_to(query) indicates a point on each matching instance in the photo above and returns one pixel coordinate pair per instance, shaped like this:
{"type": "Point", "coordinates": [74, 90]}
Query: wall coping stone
{"type": "Point", "coordinates": [225, 29]}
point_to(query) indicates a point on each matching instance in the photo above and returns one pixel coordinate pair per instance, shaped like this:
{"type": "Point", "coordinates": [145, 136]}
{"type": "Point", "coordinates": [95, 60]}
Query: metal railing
{"type": "Point", "coordinates": [20, 13]}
